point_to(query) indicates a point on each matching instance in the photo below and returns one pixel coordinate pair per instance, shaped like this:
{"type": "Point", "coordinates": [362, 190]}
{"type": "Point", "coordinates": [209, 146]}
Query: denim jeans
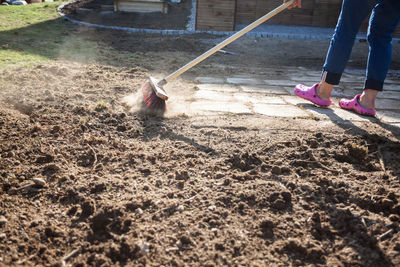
{"type": "Point", "coordinates": [383, 21]}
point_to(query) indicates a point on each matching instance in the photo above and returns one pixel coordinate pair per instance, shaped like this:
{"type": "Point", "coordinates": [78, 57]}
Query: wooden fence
{"type": "Point", "coordinates": [216, 15]}
{"type": "Point", "coordinates": [224, 14]}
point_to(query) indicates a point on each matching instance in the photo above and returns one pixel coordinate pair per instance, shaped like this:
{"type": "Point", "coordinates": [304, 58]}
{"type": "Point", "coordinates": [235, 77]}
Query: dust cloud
{"type": "Point", "coordinates": [180, 95]}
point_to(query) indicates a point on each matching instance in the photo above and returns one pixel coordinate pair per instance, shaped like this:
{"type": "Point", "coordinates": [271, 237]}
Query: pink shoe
{"type": "Point", "coordinates": [310, 93]}
{"type": "Point", "coordinates": [354, 105]}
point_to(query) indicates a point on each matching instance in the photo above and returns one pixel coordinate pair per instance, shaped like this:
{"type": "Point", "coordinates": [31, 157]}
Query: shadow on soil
{"type": "Point", "coordinates": [346, 224]}
{"type": "Point", "coordinates": [343, 220]}
{"type": "Point", "coordinates": [380, 144]}
{"type": "Point", "coordinates": [350, 126]}
{"type": "Point", "coordinates": [156, 127]}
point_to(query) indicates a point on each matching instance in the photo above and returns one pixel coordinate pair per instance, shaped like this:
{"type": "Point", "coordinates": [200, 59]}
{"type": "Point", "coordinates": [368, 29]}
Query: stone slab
{"type": "Point", "coordinates": [354, 71]}
{"type": "Point", "coordinates": [387, 104]}
{"type": "Point", "coordinates": [258, 98]}
{"type": "Point", "coordinates": [391, 87]}
{"type": "Point", "coordinates": [359, 86]}
{"type": "Point", "coordinates": [301, 68]}
{"type": "Point", "coordinates": [350, 93]}
{"type": "Point", "coordinates": [295, 100]}
{"type": "Point", "coordinates": [341, 93]}
{"type": "Point", "coordinates": [337, 114]}
{"type": "Point", "coordinates": [305, 79]}
{"type": "Point", "coordinates": [212, 95]}
{"type": "Point", "coordinates": [287, 83]}
{"type": "Point", "coordinates": [248, 81]}
{"type": "Point", "coordinates": [390, 81]}
{"type": "Point", "coordinates": [382, 95]}
{"type": "Point", "coordinates": [221, 107]}
{"type": "Point", "coordinates": [388, 116]}
{"type": "Point", "coordinates": [217, 80]}
{"type": "Point", "coordinates": [285, 69]}
{"type": "Point", "coordinates": [352, 79]}
{"type": "Point", "coordinates": [226, 88]}
{"type": "Point", "coordinates": [314, 74]}
{"type": "Point", "coordinates": [279, 110]}
{"type": "Point", "coordinates": [290, 91]}
{"type": "Point", "coordinates": [275, 90]}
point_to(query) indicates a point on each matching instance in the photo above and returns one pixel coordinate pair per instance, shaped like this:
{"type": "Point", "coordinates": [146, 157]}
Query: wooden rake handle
{"type": "Point", "coordinates": [218, 47]}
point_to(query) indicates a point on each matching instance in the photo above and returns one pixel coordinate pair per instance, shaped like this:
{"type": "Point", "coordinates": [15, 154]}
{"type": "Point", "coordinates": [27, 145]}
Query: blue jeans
{"type": "Point", "coordinates": [383, 21]}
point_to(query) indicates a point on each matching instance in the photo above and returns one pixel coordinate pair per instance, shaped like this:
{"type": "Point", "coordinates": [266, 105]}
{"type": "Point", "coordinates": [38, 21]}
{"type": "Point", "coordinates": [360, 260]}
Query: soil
{"type": "Point", "coordinates": [176, 18]}
{"type": "Point", "coordinates": [86, 180]}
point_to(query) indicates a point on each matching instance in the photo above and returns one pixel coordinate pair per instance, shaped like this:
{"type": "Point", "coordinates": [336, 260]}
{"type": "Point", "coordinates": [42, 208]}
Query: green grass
{"type": "Point", "coordinates": [35, 33]}
{"type": "Point", "coordinates": [15, 17]}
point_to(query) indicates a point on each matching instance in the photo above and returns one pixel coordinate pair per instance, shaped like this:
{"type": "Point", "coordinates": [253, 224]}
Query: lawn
{"type": "Point", "coordinates": [35, 33]}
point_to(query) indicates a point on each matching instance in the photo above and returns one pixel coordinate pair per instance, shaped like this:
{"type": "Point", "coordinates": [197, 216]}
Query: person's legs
{"type": "Point", "coordinates": [352, 15]}
{"type": "Point", "coordinates": [384, 19]}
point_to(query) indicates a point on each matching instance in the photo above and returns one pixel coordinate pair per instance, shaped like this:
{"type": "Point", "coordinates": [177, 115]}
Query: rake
{"type": "Point", "coordinates": [153, 91]}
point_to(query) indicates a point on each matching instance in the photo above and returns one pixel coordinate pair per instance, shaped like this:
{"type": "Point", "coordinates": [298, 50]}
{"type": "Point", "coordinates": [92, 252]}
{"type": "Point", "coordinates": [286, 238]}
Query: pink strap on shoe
{"type": "Point", "coordinates": [310, 94]}
{"type": "Point", "coordinates": [354, 104]}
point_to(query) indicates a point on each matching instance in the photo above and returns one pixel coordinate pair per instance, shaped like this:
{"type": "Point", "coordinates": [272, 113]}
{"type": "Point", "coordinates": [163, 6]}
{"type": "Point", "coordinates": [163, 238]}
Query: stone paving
{"type": "Point", "coordinates": [270, 93]}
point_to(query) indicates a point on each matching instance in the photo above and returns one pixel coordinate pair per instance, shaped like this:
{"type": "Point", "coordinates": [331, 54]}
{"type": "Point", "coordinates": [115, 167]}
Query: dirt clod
{"type": "Point", "coordinates": [88, 208]}
{"type": "Point", "coordinates": [181, 175]}
{"type": "Point", "coordinates": [276, 170]}
{"type": "Point", "coordinates": [3, 221]}
{"type": "Point", "coordinates": [267, 228]}
{"type": "Point", "coordinates": [356, 151]}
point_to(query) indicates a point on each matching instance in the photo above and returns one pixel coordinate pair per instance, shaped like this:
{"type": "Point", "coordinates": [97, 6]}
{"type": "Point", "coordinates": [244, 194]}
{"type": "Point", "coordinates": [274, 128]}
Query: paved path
{"type": "Point", "coordinates": [270, 93]}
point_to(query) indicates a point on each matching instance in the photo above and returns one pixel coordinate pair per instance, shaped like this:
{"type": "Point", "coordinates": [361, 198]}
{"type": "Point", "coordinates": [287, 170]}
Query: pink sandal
{"type": "Point", "coordinates": [354, 105]}
{"type": "Point", "coordinates": [310, 94]}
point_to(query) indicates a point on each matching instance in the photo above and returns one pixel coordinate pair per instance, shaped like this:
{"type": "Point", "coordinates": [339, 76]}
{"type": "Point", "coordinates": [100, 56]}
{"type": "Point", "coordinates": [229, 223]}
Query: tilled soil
{"type": "Point", "coordinates": [117, 187]}
{"type": "Point", "coordinates": [85, 180]}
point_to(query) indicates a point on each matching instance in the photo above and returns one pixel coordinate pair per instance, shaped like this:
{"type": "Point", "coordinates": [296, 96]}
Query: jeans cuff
{"type": "Point", "coordinates": [373, 84]}
{"type": "Point", "coordinates": [332, 78]}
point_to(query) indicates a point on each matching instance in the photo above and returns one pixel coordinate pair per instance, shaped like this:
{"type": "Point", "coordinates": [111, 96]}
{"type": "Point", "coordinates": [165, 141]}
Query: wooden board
{"type": "Point", "coordinates": [245, 11]}
{"type": "Point", "coordinates": [215, 15]}
{"type": "Point", "coordinates": [250, 10]}
{"type": "Point", "coordinates": [292, 16]}
{"type": "Point", "coordinates": [141, 6]}
{"type": "Point", "coordinates": [325, 14]}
